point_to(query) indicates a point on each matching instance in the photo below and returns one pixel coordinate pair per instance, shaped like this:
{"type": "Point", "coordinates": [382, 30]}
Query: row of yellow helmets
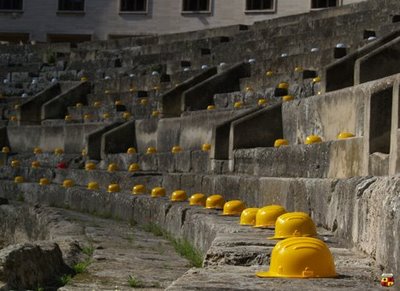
{"type": "Point", "coordinates": [299, 254]}
{"type": "Point", "coordinates": [312, 139]}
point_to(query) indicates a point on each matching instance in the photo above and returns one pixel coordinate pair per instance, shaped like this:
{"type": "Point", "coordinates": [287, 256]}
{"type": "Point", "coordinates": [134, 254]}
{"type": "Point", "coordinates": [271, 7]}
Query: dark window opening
{"type": "Point", "coordinates": [196, 5]}
{"type": "Point", "coordinates": [315, 4]}
{"type": "Point", "coordinates": [259, 4]}
{"type": "Point", "coordinates": [71, 5]}
{"type": "Point", "coordinates": [133, 5]}
{"type": "Point", "coordinates": [380, 121]}
{"type": "Point", "coordinates": [10, 4]}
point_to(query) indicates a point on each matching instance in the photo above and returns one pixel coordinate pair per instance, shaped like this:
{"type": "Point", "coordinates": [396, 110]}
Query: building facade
{"type": "Point", "coordinates": [79, 20]}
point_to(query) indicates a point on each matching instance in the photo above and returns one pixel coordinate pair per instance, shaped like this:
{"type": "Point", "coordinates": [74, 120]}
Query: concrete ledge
{"type": "Point", "coordinates": [340, 74]}
{"type": "Point", "coordinates": [70, 137]}
{"type": "Point", "coordinates": [379, 63]}
{"type": "Point", "coordinates": [200, 96]}
{"type": "Point", "coordinates": [56, 108]}
{"type": "Point", "coordinates": [30, 111]}
{"type": "Point", "coordinates": [335, 159]}
{"type": "Point", "coordinates": [171, 100]}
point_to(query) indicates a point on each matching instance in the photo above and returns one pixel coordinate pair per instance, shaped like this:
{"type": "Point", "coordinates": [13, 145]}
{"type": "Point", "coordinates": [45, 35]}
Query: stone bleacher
{"type": "Point", "coordinates": [157, 91]}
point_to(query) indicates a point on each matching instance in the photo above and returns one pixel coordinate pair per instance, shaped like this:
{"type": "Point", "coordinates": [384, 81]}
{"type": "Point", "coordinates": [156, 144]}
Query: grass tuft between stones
{"type": "Point", "coordinates": [135, 282]}
{"type": "Point", "coordinates": [182, 246]}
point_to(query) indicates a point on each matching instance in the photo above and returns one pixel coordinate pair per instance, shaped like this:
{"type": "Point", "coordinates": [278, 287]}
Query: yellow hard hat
{"type": "Point", "coordinates": [138, 189]}
{"type": "Point", "coordinates": [155, 113]}
{"type": "Point", "coordinates": [158, 192]}
{"type": "Point", "coordinates": [37, 151]}
{"type": "Point", "coordinates": [287, 98]}
{"type": "Point", "coordinates": [5, 150]}
{"type": "Point", "coordinates": [15, 163]}
{"type": "Point", "coordinates": [298, 69]}
{"type": "Point", "coordinates": [262, 101]}
{"type": "Point", "coordinates": [269, 73]}
{"type": "Point", "coordinates": [78, 105]}
{"type": "Point", "coordinates": [344, 135]}
{"type": "Point", "coordinates": [106, 115]}
{"type": "Point", "coordinates": [210, 107]}
{"type": "Point", "coordinates": [93, 186]}
{"type": "Point", "coordinates": [87, 116]}
{"type": "Point", "coordinates": [68, 118]}
{"type": "Point", "coordinates": [151, 150]}
{"type": "Point", "coordinates": [283, 85]}
{"type": "Point", "coordinates": [133, 167]}
{"type": "Point", "coordinates": [68, 183]}
{"type": "Point", "coordinates": [178, 196]}
{"type": "Point", "coordinates": [294, 224]}
{"type": "Point", "coordinates": [97, 104]}
{"type": "Point", "coordinates": [144, 101]}
{"type": "Point", "coordinates": [248, 89]}
{"type": "Point", "coordinates": [176, 149]}
{"type": "Point", "coordinates": [13, 118]}
{"type": "Point", "coordinates": [197, 199]}
{"type": "Point", "coordinates": [311, 139]}
{"type": "Point", "coordinates": [206, 147]}
{"type": "Point", "coordinates": [248, 216]}
{"type": "Point", "coordinates": [18, 179]}
{"type": "Point", "coordinates": [233, 208]}
{"type": "Point", "coordinates": [44, 181]}
{"type": "Point", "coordinates": [267, 215]}
{"type": "Point", "coordinates": [126, 115]}
{"type": "Point", "coordinates": [215, 201]}
{"type": "Point", "coordinates": [84, 152]}
{"type": "Point", "coordinates": [131, 151]}
{"type": "Point", "coordinates": [300, 257]}
{"type": "Point", "coordinates": [316, 80]}
{"type": "Point", "coordinates": [58, 151]}
{"type": "Point", "coordinates": [118, 102]}
{"type": "Point", "coordinates": [35, 164]}
{"type": "Point", "coordinates": [112, 167]}
{"type": "Point", "coordinates": [90, 166]}
{"type": "Point", "coordinates": [238, 104]}
{"type": "Point", "coordinates": [131, 90]}
{"type": "Point", "coordinates": [107, 92]}
{"type": "Point", "coordinates": [281, 142]}
{"type": "Point", "coordinates": [112, 188]}
{"type": "Point", "coordinates": [84, 79]}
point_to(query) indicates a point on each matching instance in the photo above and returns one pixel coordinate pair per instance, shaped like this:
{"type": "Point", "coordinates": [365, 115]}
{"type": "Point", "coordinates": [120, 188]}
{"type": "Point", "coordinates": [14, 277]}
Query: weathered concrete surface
{"type": "Point", "coordinates": [334, 159]}
{"type": "Point", "coordinates": [121, 250]}
{"type": "Point", "coordinates": [172, 100]}
{"type": "Point", "coordinates": [330, 203]}
{"type": "Point", "coordinates": [27, 266]}
{"type": "Point", "coordinates": [380, 63]}
{"type": "Point", "coordinates": [69, 137]}
{"type": "Point", "coordinates": [340, 74]}
{"type": "Point", "coordinates": [201, 95]}
{"type": "Point", "coordinates": [56, 108]}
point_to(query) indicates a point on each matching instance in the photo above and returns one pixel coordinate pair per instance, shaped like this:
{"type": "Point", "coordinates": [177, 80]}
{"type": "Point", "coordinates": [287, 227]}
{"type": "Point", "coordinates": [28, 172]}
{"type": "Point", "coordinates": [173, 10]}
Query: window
{"type": "Point", "coordinates": [254, 5]}
{"type": "Point", "coordinates": [196, 5]}
{"type": "Point", "coordinates": [10, 4]}
{"type": "Point", "coordinates": [71, 5]}
{"type": "Point", "coordinates": [317, 4]}
{"type": "Point", "coordinates": [133, 6]}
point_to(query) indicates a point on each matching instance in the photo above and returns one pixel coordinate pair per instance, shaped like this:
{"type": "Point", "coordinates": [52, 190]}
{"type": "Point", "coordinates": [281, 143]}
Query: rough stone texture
{"type": "Point", "coordinates": [335, 159]}
{"type": "Point", "coordinates": [26, 266]}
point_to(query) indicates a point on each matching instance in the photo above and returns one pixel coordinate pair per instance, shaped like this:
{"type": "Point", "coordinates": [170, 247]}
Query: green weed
{"type": "Point", "coordinates": [134, 282]}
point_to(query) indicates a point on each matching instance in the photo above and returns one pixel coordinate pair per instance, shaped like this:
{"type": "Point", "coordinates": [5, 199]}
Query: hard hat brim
{"type": "Point", "coordinates": [264, 226]}
{"type": "Point", "coordinates": [268, 274]}
{"type": "Point", "coordinates": [229, 214]}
